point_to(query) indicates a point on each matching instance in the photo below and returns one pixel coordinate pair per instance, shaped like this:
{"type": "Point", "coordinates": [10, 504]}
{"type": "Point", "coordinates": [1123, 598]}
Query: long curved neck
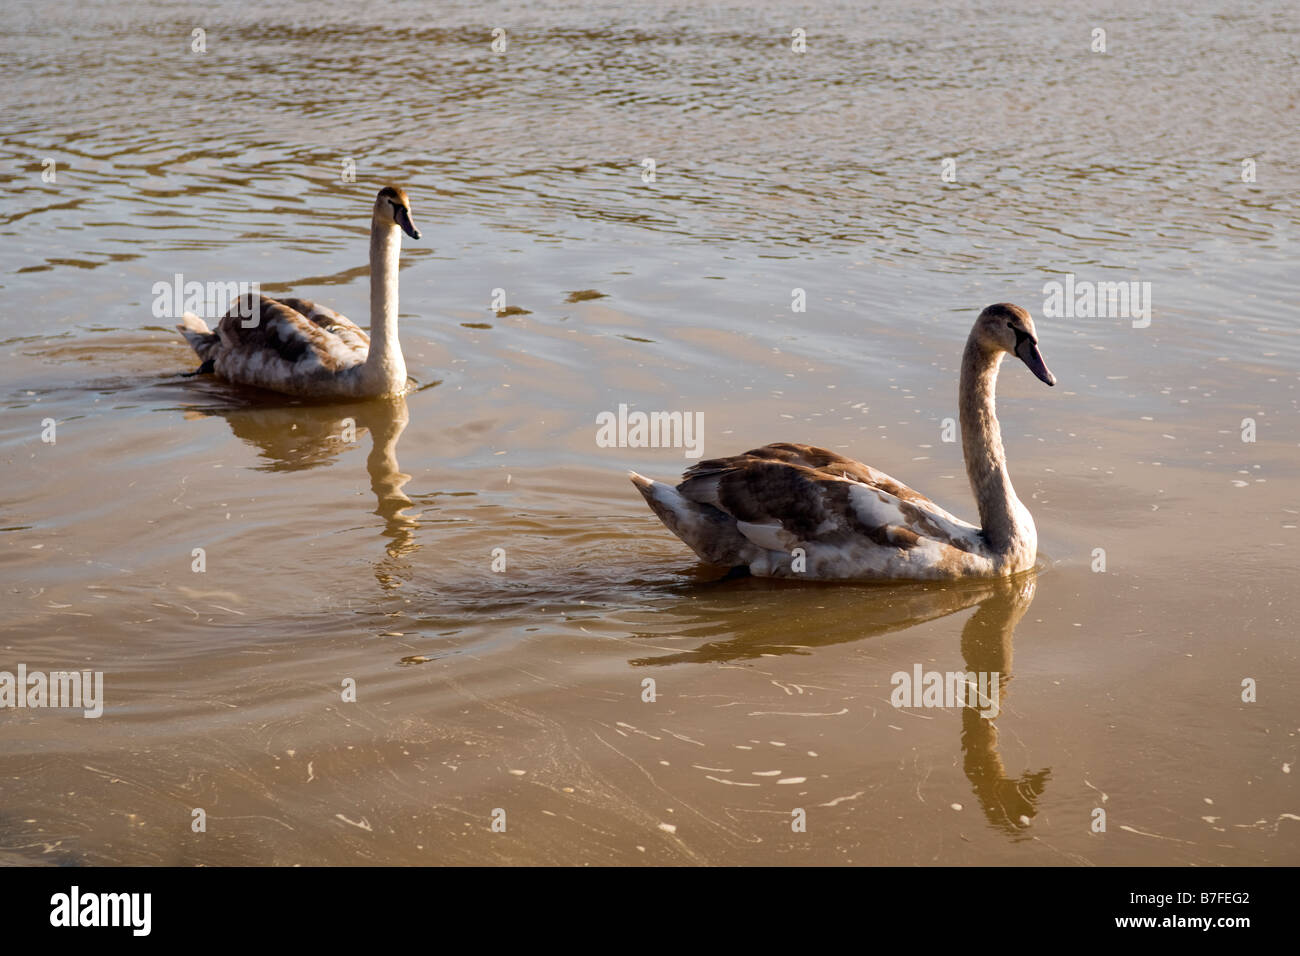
{"type": "Point", "coordinates": [384, 361]}
{"type": "Point", "coordinates": [1004, 520]}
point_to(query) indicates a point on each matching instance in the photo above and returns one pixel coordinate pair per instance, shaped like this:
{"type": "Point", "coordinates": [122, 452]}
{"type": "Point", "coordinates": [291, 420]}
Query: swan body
{"type": "Point", "coordinates": [788, 510]}
{"type": "Point", "coordinates": [300, 348]}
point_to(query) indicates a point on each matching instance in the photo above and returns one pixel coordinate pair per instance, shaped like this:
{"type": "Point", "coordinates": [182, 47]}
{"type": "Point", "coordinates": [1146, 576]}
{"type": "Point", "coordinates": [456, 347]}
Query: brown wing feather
{"type": "Point", "coordinates": [785, 495]}
{"type": "Point", "coordinates": [816, 459]}
{"type": "Point", "coordinates": [279, 329]}
{"type": "Point", "coordinates": [333, 322]}
{"type": "Point", "coordinates": [803, 489]}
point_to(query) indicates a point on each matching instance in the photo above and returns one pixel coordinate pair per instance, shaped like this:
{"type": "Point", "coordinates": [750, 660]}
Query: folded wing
{"type": "Point", "coordinates": [850, 518]}
{"type": "Point", "coordinates": [273, 343]}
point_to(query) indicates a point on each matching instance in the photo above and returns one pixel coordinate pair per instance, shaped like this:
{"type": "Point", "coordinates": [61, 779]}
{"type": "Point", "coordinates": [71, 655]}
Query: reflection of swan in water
{"type": "Point", "coordinates": [296, 437]}
{"type": "Point", "coordinates": [762, 612]}
{"type": "Point", "coordinates": [761, 618]}
{"type": "Point", "coordinates": [1008, 803]}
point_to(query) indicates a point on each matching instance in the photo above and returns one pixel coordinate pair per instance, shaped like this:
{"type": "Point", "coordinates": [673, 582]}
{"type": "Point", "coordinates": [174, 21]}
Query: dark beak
{"type": "Point", "coordinates": [1027, 352]}
{"type": "Point", "coordinates": [403, 219]}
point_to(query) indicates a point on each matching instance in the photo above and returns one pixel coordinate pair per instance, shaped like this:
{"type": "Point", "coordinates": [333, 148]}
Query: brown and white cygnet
{"type": "Point", "coordinates": [301, 348]}
{"type": "Point", "coordinates": [798, 511]}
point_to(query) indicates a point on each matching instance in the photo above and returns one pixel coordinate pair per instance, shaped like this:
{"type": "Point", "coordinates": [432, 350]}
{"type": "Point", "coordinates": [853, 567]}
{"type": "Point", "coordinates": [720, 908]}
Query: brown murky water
{"type": "Point", "coordinates": [520, 692]}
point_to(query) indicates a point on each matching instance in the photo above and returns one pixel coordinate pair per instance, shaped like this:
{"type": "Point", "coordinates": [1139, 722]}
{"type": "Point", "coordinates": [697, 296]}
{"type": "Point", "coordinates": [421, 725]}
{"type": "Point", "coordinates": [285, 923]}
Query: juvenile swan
{"type": "Point", "coordinates": [797, 511]}
{"type": "Point", "coordinates": [299, 347]}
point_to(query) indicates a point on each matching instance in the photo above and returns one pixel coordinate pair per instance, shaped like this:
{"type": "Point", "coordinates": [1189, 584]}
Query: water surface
{"type": "Point", "coordinates": [329, 560]}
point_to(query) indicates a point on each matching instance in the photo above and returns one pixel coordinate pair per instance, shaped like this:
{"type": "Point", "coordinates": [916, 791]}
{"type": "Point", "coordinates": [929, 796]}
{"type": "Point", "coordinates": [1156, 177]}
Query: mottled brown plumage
{"type": "Point", "coordinates": [289, 328]}
{"type": "Point", "coordinates": [785, 496]}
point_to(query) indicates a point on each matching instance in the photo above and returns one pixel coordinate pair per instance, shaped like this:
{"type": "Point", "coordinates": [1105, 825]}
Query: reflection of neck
{"type": "Point", "coordinates": [1005, 522]}
{"type": "Point", "coordinates": [986, 644]}
{"type": "Point", "coordinates": [384, 364]}
{"type": "Point", "coordinates": [386, 480]}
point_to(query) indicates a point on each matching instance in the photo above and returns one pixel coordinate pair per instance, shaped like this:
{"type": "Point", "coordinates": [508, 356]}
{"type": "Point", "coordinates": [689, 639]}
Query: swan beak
{"type": "Point", "coordinates": [403, 219]}
{"type": "Point", "coordinates": [1027, 352]}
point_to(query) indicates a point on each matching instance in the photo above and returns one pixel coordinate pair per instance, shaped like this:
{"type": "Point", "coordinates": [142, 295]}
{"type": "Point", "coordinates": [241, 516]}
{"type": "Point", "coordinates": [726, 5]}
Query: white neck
{"type": "Point", "coordinates": [1006, 523]}
{"type": "Point", "coordinates": [384, 363]}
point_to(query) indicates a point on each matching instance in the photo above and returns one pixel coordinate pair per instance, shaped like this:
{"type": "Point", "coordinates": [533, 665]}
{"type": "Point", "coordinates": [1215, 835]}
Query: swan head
{"type": "Point", "coordinates": [392, 208]}
{"type": "Point", "coordinates": [1004, 327]}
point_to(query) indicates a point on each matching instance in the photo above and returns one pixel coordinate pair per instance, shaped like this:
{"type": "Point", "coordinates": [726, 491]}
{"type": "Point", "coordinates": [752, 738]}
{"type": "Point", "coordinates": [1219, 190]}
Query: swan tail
{"type": "Point", "coordinates": [201, 339]}
{"type": "Point", "coordinates": [710, 532]}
